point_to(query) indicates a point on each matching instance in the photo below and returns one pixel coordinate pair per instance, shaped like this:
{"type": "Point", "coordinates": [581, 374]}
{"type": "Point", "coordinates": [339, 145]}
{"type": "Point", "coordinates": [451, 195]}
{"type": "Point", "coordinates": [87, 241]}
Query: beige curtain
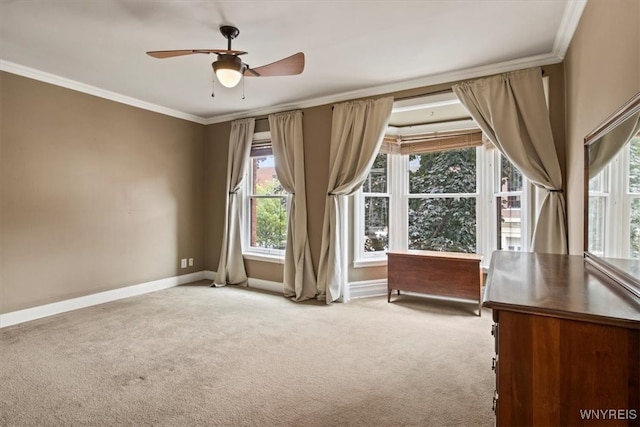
{"type": "Point", "coordinates": [357, 131]}
{"type": "Point", "coordinates": [231, 265]}
{"type": "Point", "coordinates": [512, 111]}
{"type": "Point", "coordinates": [605, 148]}
{"type": "Point", "coordinates": [288, 150]}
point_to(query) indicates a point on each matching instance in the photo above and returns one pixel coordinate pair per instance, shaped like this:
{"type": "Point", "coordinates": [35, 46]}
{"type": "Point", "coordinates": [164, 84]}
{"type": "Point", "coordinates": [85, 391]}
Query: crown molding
{"type": "Point", "coordinates": [53, 79]}
{"type": "Point", "coordinates": [469, 73]}
{"type": "Point", "coordinates": [568, 26]}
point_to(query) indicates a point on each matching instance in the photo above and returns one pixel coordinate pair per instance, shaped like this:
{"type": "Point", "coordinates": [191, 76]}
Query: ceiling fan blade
{"type": "Point", "coordinates": [292, 65]}
{"type": "Point", "coordinates": [161, 54]}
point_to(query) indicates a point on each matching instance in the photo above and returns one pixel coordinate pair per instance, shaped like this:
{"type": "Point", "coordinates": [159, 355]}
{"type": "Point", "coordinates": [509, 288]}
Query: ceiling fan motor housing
{"type": "Point", "coordinates": [229, 32]}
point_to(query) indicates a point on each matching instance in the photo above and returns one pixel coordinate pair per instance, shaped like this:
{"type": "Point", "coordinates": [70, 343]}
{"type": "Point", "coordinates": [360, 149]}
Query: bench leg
{"type": "Point", "coordinates": [389, 296]}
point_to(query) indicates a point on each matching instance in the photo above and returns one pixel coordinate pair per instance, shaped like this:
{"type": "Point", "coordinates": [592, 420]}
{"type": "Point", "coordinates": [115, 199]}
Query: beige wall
{"type": "Point", "coordinates": [95, 195]}
{"type": "Point", "coordinates": [602, 72]}
{"type": "Point", "coordinates": [215, 181]}
{"type": "Point", "coordinates": [317, 135]}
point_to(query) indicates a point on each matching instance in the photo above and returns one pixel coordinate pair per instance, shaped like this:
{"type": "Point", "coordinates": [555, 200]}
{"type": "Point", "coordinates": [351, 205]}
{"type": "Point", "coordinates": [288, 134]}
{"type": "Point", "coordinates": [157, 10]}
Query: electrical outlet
{"type": "Point", "coordinates": [183, 263]}
{"type": "Point", "coordinates": [190, 262]}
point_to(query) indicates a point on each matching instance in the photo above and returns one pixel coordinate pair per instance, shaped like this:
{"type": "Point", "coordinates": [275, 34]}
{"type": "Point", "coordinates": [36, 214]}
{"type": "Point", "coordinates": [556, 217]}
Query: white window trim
{"type": "Point", "coordinates": [618, 205]}
{"type": "Point", "coordinates": [602, 193]}
{"type": "Point", "coordinates": [251, 253]}
{"type": "Point", "coordinates": [486, 233]}
{"type": "Point", "coordinates": [362, 258]}
{"type": "Point", "coordinates": [492, 180]}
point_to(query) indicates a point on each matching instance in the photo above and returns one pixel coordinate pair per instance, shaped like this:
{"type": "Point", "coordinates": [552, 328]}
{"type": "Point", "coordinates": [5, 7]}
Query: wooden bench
{"type": "Point", "coordinates": [445, 274]}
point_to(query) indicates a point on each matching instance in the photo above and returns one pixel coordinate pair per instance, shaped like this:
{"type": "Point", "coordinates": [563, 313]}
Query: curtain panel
{"type": "Point", "coordinates": [288, 151]}
{"type": "Point", "coordinates": [231, 269]}
{"type": "Point", "coordinates": [357, 131]}
{"type": "Point", "coordinates": [512, 111]}
{"type": "Point", "coordinates": [605, 149]}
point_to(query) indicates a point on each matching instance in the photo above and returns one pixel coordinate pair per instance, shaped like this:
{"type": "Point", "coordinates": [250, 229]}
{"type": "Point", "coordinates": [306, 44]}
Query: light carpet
{"type": "Point", "coordinates": [197, 356]}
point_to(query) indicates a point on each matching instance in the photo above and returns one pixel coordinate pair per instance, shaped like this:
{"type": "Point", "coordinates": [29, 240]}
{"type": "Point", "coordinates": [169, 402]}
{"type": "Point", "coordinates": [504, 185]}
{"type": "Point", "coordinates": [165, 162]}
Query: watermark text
{"type": "Point", "coordinates": [608, 414]}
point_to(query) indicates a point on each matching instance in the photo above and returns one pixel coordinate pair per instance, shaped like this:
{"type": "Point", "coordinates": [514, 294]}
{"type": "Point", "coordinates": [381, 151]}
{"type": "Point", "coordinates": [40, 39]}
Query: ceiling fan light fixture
{"type": "Point", "coordinates": [228, 69]}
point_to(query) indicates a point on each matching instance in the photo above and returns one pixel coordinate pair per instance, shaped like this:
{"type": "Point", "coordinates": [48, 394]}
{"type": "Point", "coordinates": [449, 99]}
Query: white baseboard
{"type": "Point", "coordinates": [362, 289]}
{"type": "Point", "coordinates": [365, 289]}
{"type": "Point", "coordinates": [33, 313]}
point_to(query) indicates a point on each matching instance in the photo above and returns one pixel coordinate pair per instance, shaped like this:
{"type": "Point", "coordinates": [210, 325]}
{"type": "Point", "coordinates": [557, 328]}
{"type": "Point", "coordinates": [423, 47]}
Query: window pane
{"type": "Point", "coordinates": [510, 176]}
{"type": "Point", "coordinates": [635, 228]}
{"type": "Point", "coordinates": [595, 221]}
{"type": "Point", "coordinates": [269, 222]}
{"type": "Point", "coordinates": [265, 179]}
{"type": "Point", "coordinates": [447, 224]}
{"type": "Point", "coordinates": [452, 171]}
{"type": "Point", "coordinates": [597, 182]}
{"type": "Point", "coordinates": [634, 165]}
{"type": "Point", "coordinates": [376, 224]}
{"type": "Point", "coordinates": [376, 181]}
{"type": "Point", "coordinates": [509, 223]}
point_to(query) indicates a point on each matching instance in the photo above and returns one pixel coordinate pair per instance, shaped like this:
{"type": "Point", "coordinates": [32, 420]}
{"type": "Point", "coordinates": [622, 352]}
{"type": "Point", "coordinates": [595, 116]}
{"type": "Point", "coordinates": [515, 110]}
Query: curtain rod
{"type": "Point", "coordinates": [403, 98]}
{"type": "Point", "coordinates": [437, 92]}
{"type": "Point", "coordinates": [267, 116]}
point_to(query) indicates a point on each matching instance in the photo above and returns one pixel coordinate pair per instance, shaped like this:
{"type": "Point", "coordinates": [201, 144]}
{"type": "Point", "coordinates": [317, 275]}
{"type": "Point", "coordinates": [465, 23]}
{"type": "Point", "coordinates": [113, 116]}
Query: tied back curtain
{"type": "Point", "coordinates": [603, 150]}
{"type": "Point", "coordinates": [511, 110]}
{"type": "Point", "coordinates": [288, 151]}
{"type": "Point", "coordinates": [357, 131]}
{"type": "Point", "coordinates": [231, 269]}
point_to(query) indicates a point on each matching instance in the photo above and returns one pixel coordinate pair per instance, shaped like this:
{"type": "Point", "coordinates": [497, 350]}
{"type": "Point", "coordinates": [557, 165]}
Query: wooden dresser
{"type": "Point", "coordinates": [567, 343]}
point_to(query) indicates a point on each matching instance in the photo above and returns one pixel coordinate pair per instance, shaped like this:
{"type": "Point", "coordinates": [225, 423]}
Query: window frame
{"type": "Point", "coordinates": [246, 195]}
{"type": "Point", "coordinates": [617, 197]}
{"type": "Point", "coordinates": [363, 258]}
{"type": "Point", "coordinates": [487, 175]}
{"type": "Point", "coordinates": [628, 198]}
{"type": "Point", "coordinates": [494, 165]}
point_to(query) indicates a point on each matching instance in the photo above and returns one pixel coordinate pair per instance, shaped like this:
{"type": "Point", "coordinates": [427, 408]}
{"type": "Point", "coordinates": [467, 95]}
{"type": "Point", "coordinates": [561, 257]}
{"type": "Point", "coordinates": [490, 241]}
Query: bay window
{"type": "Point", "coordinates": [447, 192]}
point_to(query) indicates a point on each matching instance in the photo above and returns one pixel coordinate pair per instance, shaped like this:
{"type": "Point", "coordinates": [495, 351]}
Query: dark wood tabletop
{"type": "Point", "coordinates": [559, 286]}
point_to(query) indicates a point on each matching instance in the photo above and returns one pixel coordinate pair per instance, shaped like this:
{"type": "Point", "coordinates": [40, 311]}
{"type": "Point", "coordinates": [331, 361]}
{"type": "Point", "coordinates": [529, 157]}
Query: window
{"type": "Point", "coordinates": [615, 193]}
{"type": "Point", "coordinates": [598, 206]}
{"type": "Point", "coordinates": [633, 196]}
{"type": "Point", "coordinates": [265, 207]}
{"type": "Point", "coordinates": [442, 201]}
{"type": "Point", "coordinates": [442, 195]}
{"type": "Point", "coordinates": [508, 192]}
{"type": "Point", "coordinates": [375, 195]}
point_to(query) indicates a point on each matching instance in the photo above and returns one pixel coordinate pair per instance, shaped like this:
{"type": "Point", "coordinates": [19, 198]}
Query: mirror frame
{"type": "Point", "coordinates": [626, 280]}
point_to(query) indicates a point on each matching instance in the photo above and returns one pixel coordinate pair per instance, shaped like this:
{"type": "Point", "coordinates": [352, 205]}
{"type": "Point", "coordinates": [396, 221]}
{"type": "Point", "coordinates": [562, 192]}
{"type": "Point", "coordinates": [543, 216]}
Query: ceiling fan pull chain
{"type": "Point", "coordinates": [242, 86]}
{"type": "Point", "coordinates": [213, 86]}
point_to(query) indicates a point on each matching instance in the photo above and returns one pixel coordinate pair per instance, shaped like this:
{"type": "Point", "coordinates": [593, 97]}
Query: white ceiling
{"type": "Point", "coordinates": [353, 48]}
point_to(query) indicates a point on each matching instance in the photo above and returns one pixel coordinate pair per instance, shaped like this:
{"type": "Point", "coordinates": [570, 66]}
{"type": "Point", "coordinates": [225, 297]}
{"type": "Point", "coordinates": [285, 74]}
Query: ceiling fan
{"type": "Point", "coordinates": [229, 68]}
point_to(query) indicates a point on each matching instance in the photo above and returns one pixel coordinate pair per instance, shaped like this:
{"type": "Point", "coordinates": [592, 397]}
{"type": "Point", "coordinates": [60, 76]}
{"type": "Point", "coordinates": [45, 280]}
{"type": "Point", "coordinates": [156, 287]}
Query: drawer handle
{"type": "Point", "coordinates": [494, 363]}
{"type": "Point", "coordinates": [494, 407]}
{"type": "Point", "coordinates": [493, 330]}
